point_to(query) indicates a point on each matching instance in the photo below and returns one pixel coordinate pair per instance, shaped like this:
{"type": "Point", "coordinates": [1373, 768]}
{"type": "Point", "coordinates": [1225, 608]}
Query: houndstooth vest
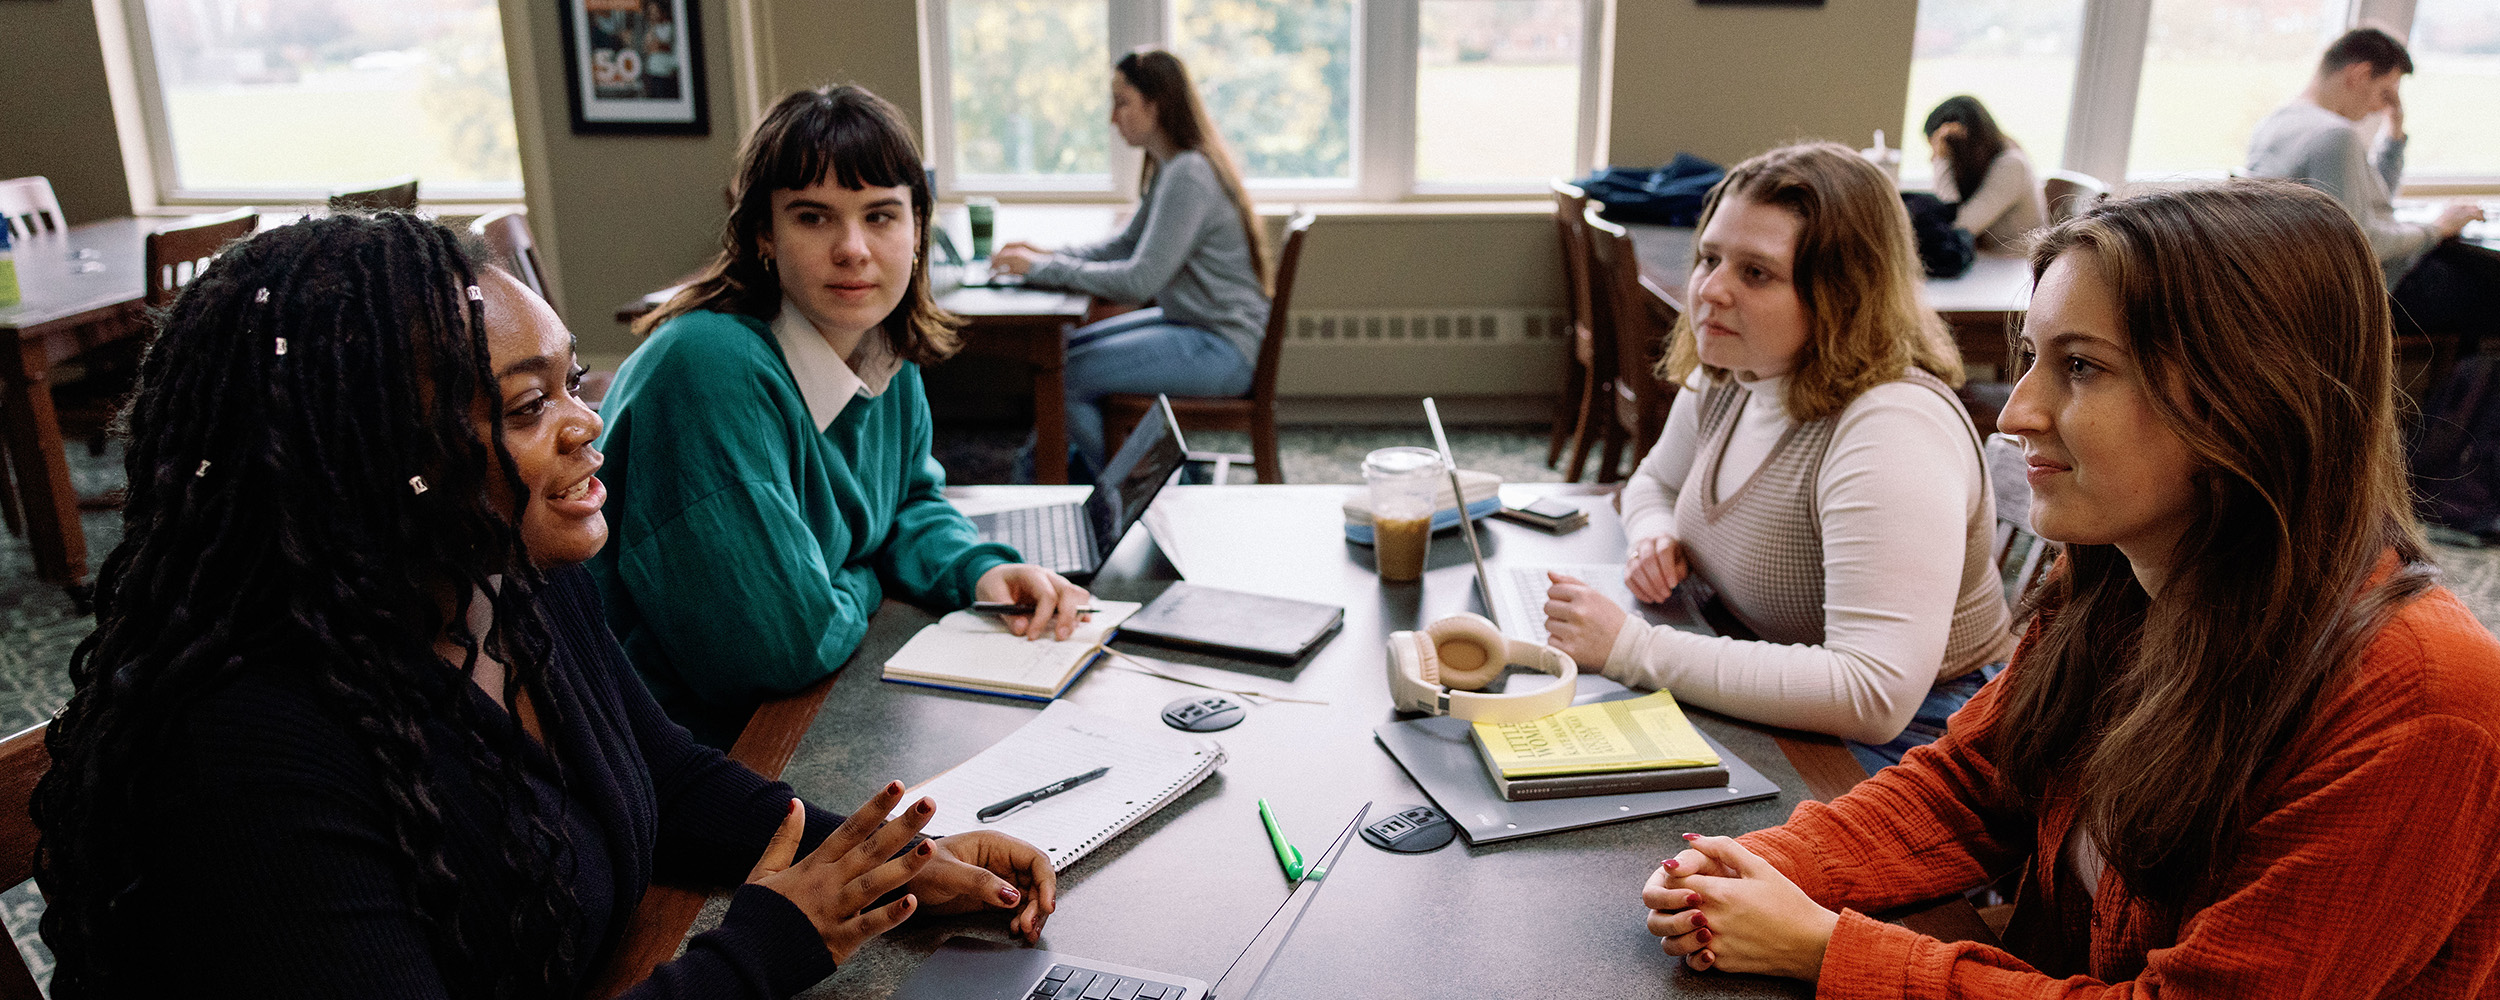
{"type": "Point", "coordinates": [1761, 548]}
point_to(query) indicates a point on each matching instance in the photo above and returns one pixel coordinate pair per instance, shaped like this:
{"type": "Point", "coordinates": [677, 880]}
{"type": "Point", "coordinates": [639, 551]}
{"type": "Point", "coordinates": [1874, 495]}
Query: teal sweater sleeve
{"type": "Point", "coordinates": [747, 548]}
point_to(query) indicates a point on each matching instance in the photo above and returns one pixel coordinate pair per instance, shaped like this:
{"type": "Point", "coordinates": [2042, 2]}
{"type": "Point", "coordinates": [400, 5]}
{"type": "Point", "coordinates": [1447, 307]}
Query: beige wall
{"type": "Point", "coordinates": [872, 43]}
{"type": "Point", "coordinates": [1726, 82]}
{"type": "Point", "coordinates": [57, 111]}
{"type": "Point", "coordinates": [621, 215]}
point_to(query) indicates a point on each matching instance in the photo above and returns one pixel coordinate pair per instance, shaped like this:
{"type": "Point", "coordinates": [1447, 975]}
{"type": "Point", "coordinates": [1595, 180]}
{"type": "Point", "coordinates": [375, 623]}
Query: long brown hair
{"type": "Point", "coordinates": [860, 140]}
{"type": "Point", "coordinates": [1159, 77]}
{"type": "Point", "coordinates": [1857, 273]}
{"type": "Point", "coordinates": [1978, 147]}
{"type": "Point", "coordinates": [2260, 332]}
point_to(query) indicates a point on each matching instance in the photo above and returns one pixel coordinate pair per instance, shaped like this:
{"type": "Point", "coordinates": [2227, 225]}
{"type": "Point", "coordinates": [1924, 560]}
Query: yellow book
{"type": "Point", "coordinates": [1633, 734]}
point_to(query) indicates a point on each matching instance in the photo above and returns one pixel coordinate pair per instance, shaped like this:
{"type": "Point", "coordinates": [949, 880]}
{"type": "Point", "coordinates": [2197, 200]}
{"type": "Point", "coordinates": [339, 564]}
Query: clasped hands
{"type": "Point", "coordinates": [1720, 906]}
{"type": "Point", "coordinates": [864, 859]}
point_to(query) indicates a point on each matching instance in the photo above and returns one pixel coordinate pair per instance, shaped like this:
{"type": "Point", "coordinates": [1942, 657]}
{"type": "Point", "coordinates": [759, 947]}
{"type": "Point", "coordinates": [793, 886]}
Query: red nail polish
{"type": "Point", "coordinates": [925, 807]}
{"type": "Point", "coordinates": [1007, 894]}
{"type": "Point", "coordinates": [1700, 921]}
{"type": "Point", "coordinates": [1692, 837]}
{"type": "Point", "coordinates": [1692, 898]}
{"type": "Point", "coordinates": [924, 848]}
{"type": "Point", "coordinates": [1702, 936]}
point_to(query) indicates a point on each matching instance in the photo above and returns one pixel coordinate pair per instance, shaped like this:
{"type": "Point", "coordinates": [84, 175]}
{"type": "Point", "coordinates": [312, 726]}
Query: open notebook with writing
{"type": "Point", "coordinates": [1149, 769]}
{"type": "Point", "coordinates": [969, 652]}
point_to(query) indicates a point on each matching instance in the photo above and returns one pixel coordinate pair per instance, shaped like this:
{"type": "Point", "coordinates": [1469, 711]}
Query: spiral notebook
{"type": "Point", "coordinates": [1150, 767]}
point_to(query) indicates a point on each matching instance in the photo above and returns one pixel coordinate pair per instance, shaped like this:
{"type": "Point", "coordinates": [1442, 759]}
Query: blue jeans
{"type": "Point", "coordinates": [1946, 698]}
{"type": "Point", "coordinates": [1136, 352]}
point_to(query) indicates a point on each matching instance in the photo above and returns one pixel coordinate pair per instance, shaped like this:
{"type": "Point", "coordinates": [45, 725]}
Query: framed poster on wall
{"type": "Point", "coordinates": [634, 66]}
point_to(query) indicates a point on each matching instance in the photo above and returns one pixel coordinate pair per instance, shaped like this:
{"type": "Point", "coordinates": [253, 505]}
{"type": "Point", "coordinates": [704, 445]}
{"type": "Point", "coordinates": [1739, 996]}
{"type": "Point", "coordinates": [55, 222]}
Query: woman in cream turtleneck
{"type": "Point", "coordinates": [1817, 472]}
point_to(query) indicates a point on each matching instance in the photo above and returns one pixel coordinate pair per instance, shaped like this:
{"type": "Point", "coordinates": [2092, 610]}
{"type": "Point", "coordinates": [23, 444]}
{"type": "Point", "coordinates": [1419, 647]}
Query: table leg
{"type": "Point", "coordinates": [34, 435]}
{"type": "Point", "coordinates": [1050, 413]}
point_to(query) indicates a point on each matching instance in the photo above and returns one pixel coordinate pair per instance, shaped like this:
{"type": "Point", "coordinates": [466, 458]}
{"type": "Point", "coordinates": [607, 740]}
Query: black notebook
{"type": "Point", "coordinates": [1230, 622]}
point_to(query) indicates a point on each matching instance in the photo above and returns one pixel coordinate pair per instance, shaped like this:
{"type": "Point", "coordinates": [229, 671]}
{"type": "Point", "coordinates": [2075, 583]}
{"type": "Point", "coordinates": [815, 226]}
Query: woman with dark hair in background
{"type": "Point", "coordinates": [2250, 747]}
{"type": "Point", "coordinates": [1983, 171]}
{"type": "Point", "coordinates": [769, 443]}
{"type": "Point", "coordinates": [1194, 249]}
{"type": "Point", "coordinates": [351, 724]}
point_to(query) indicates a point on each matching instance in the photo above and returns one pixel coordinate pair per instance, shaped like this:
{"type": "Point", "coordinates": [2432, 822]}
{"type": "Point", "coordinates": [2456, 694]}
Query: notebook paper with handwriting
{"type": "Point", "coordinates": [1149, 767]}
{"type": "Point", "coordinates": [968, 652]}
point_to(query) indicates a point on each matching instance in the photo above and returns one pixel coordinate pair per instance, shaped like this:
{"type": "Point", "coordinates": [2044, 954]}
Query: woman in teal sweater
{"type": "Point", "coordinates": [768, 445]}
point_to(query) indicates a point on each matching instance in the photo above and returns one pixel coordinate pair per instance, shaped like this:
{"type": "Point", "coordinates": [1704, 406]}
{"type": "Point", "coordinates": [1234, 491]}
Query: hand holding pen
{"type": "Point", "coordinates": [1053, 605]}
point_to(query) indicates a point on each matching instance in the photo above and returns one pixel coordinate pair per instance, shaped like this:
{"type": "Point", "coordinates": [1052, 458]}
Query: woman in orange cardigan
{"type": "Point", "coordinates": [2249, 748]}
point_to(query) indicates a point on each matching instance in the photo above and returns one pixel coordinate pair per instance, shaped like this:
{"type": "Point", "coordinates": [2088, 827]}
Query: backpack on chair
{"type": "Point", "coordinates": [2453, 453]}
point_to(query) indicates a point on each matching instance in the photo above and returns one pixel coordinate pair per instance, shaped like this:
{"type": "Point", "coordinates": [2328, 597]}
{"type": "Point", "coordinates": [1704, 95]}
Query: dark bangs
{"type": "Point", "coordinates": [858, 143]}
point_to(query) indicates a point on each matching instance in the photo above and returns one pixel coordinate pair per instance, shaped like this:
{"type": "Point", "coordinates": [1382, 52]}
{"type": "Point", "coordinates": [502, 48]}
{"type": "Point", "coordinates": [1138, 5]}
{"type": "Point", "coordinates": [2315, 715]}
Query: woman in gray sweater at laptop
{"type": "Point", "coordinates": [1194, 250]}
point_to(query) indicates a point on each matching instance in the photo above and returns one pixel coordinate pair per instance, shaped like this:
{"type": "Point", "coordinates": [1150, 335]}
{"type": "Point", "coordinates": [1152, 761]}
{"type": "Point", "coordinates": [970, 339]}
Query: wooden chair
{"type": "Point", "coordinates": [398, 193]}
{"type": "Point", "coordinates": [1589, 376]}
{"type": "Point", "coordinates": [30, 208]}
{"type": "Point", "coordinates": [1640, 315]}
{"type": "Point", "coordinates": [1256, 412]}
{"type": "Point", "coordinates": [178, 253]}
{"type": "Point", "coordinates": [507, 233]}
{"type": "Point", "coordinates": [667, 912]}
{"type": "Point", "coordinates": [2069, 192]}
{"type": "Point", "coordinates": [23, 760]}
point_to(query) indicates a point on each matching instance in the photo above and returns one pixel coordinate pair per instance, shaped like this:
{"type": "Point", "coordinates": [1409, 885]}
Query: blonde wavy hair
{"type": "Point", "coordinates": [1857, 272]}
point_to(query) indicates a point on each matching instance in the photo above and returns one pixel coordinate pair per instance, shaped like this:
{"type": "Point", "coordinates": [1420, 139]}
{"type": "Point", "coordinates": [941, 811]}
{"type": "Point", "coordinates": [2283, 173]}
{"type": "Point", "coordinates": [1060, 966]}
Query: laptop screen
{"type": "Point", "coordinates": [1248, 969]}
{"type": "Point", "coordinates": [1145, 462]}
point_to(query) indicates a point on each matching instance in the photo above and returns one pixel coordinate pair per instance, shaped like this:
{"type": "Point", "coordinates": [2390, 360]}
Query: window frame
{"type": "Point", "coordinates": [1381, 146]}
{"type": "Point", "coordinates": [165, 175]}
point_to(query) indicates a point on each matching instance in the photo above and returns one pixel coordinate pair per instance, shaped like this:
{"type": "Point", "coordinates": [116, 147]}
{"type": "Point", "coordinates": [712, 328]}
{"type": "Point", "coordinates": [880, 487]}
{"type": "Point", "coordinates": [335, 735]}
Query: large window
{"type": "Point", "coordinates": [1376, 99]}
{"type": "Point", "coordinates": [2016, 56]}
{"type": "Point", "coordinates": [2450, 101]}
{"type": "Point", "coordinates": [1497, 90]}
{"type": "Point", "coordinates": [2213, 69]}
{"type": "Point", "coordinates": [2152, 89]}
{"type": "Point", "coordinates": [271, 99]}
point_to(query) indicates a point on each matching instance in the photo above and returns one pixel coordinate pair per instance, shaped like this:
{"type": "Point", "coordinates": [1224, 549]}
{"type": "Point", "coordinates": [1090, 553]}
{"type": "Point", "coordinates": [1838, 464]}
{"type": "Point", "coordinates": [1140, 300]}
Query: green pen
{"type": "Point", "coordinates": [1288, 856]}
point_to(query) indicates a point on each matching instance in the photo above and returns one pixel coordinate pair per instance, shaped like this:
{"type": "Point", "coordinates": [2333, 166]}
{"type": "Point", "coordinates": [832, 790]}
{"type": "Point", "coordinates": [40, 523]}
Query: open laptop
{"type": "Point", "coordinates": [972, 969]}
{"type": "Point", "coordinates": [1073, 539]}
{"type": "Point", "coordinates": [1514, 594]}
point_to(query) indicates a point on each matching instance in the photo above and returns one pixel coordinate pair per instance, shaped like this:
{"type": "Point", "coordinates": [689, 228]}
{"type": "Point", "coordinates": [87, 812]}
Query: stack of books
{"type": "Point", "coordinates": [1642, 744]}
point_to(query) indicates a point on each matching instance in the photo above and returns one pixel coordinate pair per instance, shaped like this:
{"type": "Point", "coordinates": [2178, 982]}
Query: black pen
{"type": "Point", "coordinates": [997, 809]}
{"type": "Point", "coordinates": [1004, 608]}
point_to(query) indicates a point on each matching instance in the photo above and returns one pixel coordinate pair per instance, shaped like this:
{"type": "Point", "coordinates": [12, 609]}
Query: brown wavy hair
{"type": "Point", "coordinates": [1163, 81]}
{"type": "Point", "coordinates": [858, 139]}
{"type": "Point", "coordinates": [2257, 321]}
{"type": "Point", "coordinates": [1857, 273]}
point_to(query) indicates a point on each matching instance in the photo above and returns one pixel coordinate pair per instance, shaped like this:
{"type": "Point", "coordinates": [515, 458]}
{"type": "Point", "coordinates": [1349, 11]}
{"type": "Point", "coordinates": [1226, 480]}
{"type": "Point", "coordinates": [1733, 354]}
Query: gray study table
{"type": "Point", "coordinates": [1555, 915]}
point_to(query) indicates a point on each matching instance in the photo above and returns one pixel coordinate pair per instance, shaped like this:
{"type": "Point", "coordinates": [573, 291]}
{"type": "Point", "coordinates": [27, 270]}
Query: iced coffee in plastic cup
{"type": "Point", "coordinates": [1404, 482]}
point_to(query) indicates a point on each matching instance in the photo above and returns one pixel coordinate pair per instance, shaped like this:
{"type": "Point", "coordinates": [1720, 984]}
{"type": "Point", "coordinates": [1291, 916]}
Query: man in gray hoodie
{"type": "Point", "coordinates": [2324, 138]}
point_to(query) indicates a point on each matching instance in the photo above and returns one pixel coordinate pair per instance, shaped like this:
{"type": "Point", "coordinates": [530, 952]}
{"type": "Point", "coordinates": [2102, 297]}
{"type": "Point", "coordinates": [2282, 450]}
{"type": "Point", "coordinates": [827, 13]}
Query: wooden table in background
{"type": "Point", "coordinates": [1018, 324]}
{"type": "Point", "coordinates": [80, 289]}
{"type": "Point", "coordinates": [1981, 306]}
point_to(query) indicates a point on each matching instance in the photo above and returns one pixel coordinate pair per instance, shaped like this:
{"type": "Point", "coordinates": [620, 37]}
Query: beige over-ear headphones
{"type": "Point", "coordinates": [1466, 652]}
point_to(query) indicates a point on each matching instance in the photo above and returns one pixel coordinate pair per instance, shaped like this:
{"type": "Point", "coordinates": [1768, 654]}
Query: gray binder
{"type": "Point", "coordinates": [1439, 754]}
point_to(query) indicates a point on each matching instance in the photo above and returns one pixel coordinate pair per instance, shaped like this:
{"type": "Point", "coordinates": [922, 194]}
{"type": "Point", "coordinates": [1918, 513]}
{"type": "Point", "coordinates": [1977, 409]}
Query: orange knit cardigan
{"type": "Point", "coordinates": [2371, 872]}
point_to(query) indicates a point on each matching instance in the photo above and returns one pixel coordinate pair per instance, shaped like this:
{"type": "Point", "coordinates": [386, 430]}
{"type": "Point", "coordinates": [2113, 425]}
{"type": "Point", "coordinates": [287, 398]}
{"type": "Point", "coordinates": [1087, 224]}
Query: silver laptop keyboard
{"type": "Point", "coordinates": [1520, 603]}
{"type": "Point", "coordinates": [1067, 982]}
{"type": "Point", "coordinates": [1052, 537]}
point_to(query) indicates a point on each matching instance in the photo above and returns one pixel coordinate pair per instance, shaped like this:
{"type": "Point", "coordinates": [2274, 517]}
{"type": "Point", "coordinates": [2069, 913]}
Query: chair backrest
{"type": "Point", "coordinates": [2069, 192]}
{"type": "Point", "coordinates": [2022, 556]}
{"type": "Point", "coordinates": [507, 233]}
{"type": "Point", "coordinates": [177, 252]}
{"type": "Point", "coordinates": [1636, 320]}
{"type": "Point", "coordinates": [30, 208]}
{"type": "Point", "coordinates": [1272, 347]}
{"type": "Point", "coordinates": [397, 193]}
{"type": "Point", "coordinates": [1571, 203]}
{"type": "Point", "coordinates": [23, 759]}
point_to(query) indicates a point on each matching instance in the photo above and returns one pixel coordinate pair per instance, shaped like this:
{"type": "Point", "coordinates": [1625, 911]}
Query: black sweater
{"type": "Point", "coordinates": [275, 874]}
